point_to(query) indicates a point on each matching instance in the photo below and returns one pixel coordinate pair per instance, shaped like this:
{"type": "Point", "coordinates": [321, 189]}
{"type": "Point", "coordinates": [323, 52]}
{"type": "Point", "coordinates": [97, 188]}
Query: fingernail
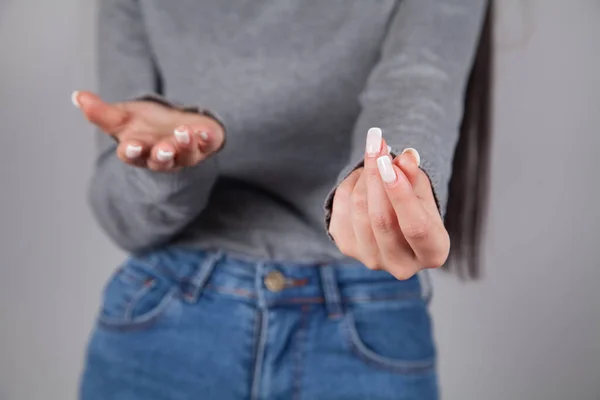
{"type": "Point", "coordinates": [182, 135]}
{"type": "Point", "coordinates": [132, 151]}
{"type": "Point", "coordinates": [389, 149]}
{"type": "Point", "coordinates": [74, 99]}
{"type": "Point", "coordinates": [163, 155]}
{"type": "Point", "coordinates": [384, 164]}
{"type": "Point", "coordinates": [203, 135]}
{"type": "Point", "coordinates": [415, 154]}
{"type": "Point", "coordinates": [373, 141]}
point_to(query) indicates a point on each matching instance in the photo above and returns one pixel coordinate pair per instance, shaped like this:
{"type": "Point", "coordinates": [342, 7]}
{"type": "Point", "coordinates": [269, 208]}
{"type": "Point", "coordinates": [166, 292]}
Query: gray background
{"type": "Point", "coordinates": [530, 330]}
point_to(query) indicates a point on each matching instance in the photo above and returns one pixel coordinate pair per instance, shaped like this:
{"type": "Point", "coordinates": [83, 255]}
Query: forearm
{"type": "Point", "coordinates": [415, 93]}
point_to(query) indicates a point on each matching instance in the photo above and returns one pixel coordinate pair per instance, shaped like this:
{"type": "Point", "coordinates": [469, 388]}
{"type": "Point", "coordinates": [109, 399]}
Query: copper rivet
{"type": "Point", "coordinates": [275, 281]}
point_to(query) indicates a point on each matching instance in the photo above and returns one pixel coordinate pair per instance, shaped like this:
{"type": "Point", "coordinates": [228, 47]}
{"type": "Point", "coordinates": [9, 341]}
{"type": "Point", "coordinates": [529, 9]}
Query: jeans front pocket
{"type": "Point", "coordinates": [392, 334]}
{"type": "Point", "coordinates": [135, 297]}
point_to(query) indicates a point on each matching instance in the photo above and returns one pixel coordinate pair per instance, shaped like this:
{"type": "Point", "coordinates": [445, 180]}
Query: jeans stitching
{"type": "Point", "coordinates": [261, 340]}
{"type": "Point", "coordinates": [141, 322]}
{"type": "Point", "coordinates": [331, 292]}
{"type": "Point", "coordinates": [145, 289]}
{"type": "Point", "coordinates": [313, 300]}
{"type": "Point", "coordinates": [367, 355]}
{"type": "Point", "coordinates": [205, 269]}
{"type": "Point", "coordinates": [233, 291]}
{"type": "Point", "coordinates": [262, 334]}
{"type": "Point", "coordinates": [298, 356]}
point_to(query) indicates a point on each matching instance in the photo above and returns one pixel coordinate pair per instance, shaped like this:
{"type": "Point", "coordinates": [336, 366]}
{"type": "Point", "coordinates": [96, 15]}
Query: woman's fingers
{"type": "Point", "coordinates": [188, 149]}
{"type": "Point", "coordinates": [394, 251]}
{"type": "Point", "coordinates": [208, 140]}
{"type": "Point", "coordinates": [424, 232]}
{"type": "Point", "coordinates": [409, 162]}
{"type": "Point", "coordinates": [132, 152]}
{"type": "Point", "coordinates": [366, 245]}
{"type": "Point", "coordinates": [144, 134]}
{"type": "Point", "coordinates": [340, 225]}
{"type": "Point", "coordinates": [108, 117]}
{"type": "Point", "coordinates": [162, 157]}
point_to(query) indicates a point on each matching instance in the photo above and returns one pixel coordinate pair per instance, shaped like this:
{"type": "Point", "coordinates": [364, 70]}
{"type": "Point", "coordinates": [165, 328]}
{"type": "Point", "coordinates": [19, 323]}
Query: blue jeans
{"type": "Point", "coordinates": [178, 324]}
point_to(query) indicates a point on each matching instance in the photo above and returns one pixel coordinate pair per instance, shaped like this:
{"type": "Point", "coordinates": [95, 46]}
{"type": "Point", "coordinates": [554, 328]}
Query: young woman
{"type": "Point", "coordinates": [234, 289]}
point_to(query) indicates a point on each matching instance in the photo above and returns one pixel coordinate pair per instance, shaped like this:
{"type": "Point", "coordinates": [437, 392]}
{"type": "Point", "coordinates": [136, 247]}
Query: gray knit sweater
{"type": "Point", "coordinates": [297, 84]}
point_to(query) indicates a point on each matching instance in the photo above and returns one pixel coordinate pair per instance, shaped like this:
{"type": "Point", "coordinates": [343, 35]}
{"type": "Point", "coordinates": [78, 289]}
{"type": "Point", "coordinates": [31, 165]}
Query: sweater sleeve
{"type": "Point", "coordinates": [415, 92]}
{"type": "Point", "coordinates": [138, 208]}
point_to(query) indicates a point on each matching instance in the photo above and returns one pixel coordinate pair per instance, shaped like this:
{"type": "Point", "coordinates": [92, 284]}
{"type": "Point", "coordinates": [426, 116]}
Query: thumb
{"type": "Point", "coordinates": [107, 117]}
{"type": "Point", "coordinates": [409, 161]}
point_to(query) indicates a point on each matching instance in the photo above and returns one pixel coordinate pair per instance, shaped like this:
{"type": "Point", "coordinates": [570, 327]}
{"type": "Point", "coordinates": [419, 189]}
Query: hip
{"type": "Point", "coordinates": [179, 324]}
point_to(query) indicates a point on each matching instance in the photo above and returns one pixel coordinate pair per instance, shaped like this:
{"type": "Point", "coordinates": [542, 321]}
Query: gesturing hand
{"type": "Point", "coordinates": [385, 214]}
{"type": "Point", "coordinates": [152, 135]}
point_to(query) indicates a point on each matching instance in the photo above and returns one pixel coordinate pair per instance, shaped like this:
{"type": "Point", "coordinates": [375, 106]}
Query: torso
{"type": "Point", "coordinates": [286, 76]}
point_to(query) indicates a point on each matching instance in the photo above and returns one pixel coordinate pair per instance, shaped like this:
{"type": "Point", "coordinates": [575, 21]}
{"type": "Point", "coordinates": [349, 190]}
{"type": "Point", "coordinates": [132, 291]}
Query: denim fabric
{"type": "Point", "coordinates": [178, 324]}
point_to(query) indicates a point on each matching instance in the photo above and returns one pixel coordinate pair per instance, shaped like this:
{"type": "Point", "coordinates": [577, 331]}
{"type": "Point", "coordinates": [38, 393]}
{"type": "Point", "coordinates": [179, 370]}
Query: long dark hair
{"type": "Point", "coordinates": [468, 188]}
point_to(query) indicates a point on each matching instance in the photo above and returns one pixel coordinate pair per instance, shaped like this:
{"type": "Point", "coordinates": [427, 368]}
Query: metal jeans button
{"type": "Point", "coordinates": [275, 281]}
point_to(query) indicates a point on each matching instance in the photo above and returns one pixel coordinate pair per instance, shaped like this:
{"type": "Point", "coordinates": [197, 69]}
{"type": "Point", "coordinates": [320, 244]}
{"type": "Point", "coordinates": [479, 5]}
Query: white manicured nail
{"type": "Point", "coordinates": [374, 141]}
{"type": "Point", "coordinates": [163, 155]}
{"type": "Point", "coordinates": [386, 170]}
{"type": "Point", "coordinates": [133, 151]}
{"type": "Point", "coordinates": [74, 100]}
{"type": "Point", "coordinates": [203, 135]}
{"type": "Point", "coordinates": [182, 136]}
{"type": "Point", "coordinates": [389, 149]}
{"type": "Point", "coordinates": [415, 154]}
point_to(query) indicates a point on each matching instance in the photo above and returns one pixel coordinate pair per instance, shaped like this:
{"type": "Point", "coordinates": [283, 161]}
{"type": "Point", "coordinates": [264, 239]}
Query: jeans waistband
{"type": "Point", "coordinates": [273, 284]}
